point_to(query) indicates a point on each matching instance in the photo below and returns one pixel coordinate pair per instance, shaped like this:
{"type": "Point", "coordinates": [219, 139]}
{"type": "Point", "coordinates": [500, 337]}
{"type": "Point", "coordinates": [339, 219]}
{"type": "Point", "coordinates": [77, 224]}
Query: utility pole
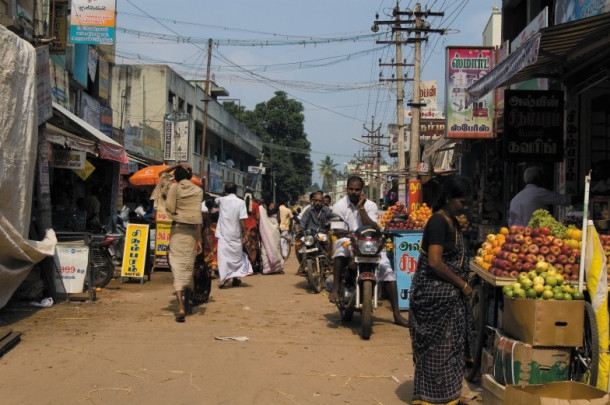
{"type": "Point", "coordinates": [372, 134]}
{"type": "Point", "coordinates": [397, 28]}
{"type": "Point", "coordinates": [206, 101]}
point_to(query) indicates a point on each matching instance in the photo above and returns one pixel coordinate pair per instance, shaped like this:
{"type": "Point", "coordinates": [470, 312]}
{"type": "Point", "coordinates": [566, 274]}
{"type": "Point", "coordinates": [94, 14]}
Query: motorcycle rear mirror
{"type": "Point", "coordinates": [335, 218]}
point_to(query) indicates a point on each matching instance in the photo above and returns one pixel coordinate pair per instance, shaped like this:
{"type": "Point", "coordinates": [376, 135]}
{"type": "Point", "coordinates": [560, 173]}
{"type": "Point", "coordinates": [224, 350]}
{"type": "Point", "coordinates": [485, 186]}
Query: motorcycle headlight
{"type": "Point", "coordinates": [368, 247]}
{"type": "Point", "coordinates": [309, 240]}
{"type": "Point", "coordinates": [322, 237]}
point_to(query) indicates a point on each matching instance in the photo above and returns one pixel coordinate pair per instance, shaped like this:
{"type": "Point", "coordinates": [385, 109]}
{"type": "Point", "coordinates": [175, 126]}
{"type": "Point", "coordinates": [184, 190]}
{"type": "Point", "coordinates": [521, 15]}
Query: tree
{"type": "Point", "coordinates": [314, 187]}
{"type": "Point", "coordinates": [280, 124]}
{"type": "Point", "coordinates": [327, 170]}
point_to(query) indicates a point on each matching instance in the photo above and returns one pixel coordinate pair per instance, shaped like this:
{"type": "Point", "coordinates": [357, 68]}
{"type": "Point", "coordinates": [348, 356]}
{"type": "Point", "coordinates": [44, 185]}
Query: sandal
{"type": "Point", "coordinates": [236, 282]}
{"type": "Point", "coordinates": [180, 317]}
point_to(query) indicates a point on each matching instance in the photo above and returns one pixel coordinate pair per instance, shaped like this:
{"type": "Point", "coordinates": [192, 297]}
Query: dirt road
{"type": "Point", "coordinates": [126, 348]}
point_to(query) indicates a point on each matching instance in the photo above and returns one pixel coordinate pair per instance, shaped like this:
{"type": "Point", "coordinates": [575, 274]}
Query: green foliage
{"type": "Point", "coordinates": [328, 172]}
{"type": "Point", "coordinates": [280, 124]}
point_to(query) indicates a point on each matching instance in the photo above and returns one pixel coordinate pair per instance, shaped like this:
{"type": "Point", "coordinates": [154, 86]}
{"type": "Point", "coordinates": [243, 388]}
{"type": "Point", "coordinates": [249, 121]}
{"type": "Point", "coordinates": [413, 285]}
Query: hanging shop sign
{"type": "Point", "coordinates": [69, 159]}
{"type": "Point", "coordinates": [533, 125]}
{"type": "Point", "coordinates": [136, 248]}
{"type": "Point", "coordinates": [86, 172]}
{"type": "Point", "coordinates": [415, 195]}
{"type": "Point", "coordinates": [176, 137]}
{"type": "Point", "coordinates": [465, 66]}
{"type": "Point", "coordinates": [571, 10]}
{"type": "Point", "coordinates": [162, 234]}
{"type": "Point", "coordinates": [407, 248]}
{"type": "Point", "coordinates": [92, 23]}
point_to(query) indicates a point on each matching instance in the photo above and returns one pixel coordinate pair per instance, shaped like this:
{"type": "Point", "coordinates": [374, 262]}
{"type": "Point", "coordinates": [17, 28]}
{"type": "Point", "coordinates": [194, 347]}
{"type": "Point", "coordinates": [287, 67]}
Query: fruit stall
{"type": "Point", "coordinates": [525, 282]}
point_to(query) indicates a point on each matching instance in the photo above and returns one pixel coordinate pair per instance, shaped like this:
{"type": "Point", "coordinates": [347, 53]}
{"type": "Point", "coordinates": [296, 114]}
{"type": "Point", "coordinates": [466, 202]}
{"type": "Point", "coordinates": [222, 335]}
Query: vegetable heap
{"type": "Point", "coordinates": [541, 218]}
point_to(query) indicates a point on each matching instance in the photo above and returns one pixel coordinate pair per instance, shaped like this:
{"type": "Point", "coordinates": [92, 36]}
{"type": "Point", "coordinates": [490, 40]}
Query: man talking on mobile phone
{"type": "Point", "coordinates": [356, 210]}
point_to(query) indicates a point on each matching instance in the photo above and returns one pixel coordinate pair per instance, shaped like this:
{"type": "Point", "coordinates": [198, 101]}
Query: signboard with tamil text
{"type": "Point", "coordinates": [407, 246]}
{"type": "Point", "coordinates": [136, 248]}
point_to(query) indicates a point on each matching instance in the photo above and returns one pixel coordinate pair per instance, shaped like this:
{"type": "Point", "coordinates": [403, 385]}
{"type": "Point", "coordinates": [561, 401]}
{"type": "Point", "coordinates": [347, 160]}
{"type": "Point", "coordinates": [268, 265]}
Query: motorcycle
{"type": "Point", "coordinates": [315, 263]}
{"type": "Point", "coordinates": [101, 262]}
{"type": "Point", "coordinates": [358, 288]}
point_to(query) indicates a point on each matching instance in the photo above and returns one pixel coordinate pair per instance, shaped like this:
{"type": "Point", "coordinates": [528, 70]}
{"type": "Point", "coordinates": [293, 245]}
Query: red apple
{"type": "Point", "coordinates": [574, 277]}
{"type": "Point", "coordinates": [545, 230]}
{"type": "Point", "coordinates": [518, 266]}
{"type": "Point", "coordinates": [527, 266]}
{"type": "Point", "coordinates": [516, 248]}
{"type": "Point", "coordinates": [566, 250]}
{"type": "Point", "coordinates": [512, 257]}
{"type": "Point", "coordinates": [535, 232]}
{"type": "Point", "coordinates": [559, 267]}
{"type": "Point", "coordinates": [571, 259]}
{"type": "Point", "coordinates": [524, 248]}
{"type": "Point", "coordinates": [537, 240]}
{"type": "Point", "coordinates": [514, 274]}
{"type": "Point", "coordinates": [532, 258]}
{"type": "Point", "coordinates": [519, 238]}
{"type": "Point", "coordinates": [522, 256]}
{"type": "Point", "coordinates": [547, 241]}
{"type": "Point", "coordinates": [576, 252]}
{"type": "Point", "coordinates": [533, 248]}
{"type": "Point", "coordinates": [513, 229]}
{"type": "Point", "coordinates": [568, 268]}
{"type": "Point", "coordinates": [527, 240]}
{"type": "Point", "coordinates": [505, 274]}
{"type": "Point", "coordinates": [540, 258]}
{"type": "Point", "coordinates": [544, 250]}
{"type": "Point", "coordinates": [558, 241]}
{"type": "Point", "coordinates": [507, 246]}
{"type": "Point", "coordinates": [555, 250]}
{"type": "Point", "coordinates": [550, 258]}
{"type": "Point", "coordinates": [527, 231]}
{"type": "Point", "coordinates": [563, 259]}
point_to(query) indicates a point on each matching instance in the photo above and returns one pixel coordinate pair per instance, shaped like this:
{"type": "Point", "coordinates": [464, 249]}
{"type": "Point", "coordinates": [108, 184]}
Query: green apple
{"type": "Point", "coordinates": [547, 294]}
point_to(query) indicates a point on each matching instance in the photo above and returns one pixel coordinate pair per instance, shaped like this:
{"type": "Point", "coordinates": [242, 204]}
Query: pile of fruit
{"type": "Point", "coordinates": [391, 213]}
{"type": "Point", "coordinates": [464, 223]}
{"type": "Point", "coordinates": [520, 249]}
{"type": "Point", "coordinates": [543, 282]}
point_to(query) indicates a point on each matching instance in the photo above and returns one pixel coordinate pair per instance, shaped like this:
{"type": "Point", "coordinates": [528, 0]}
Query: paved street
{"type": "Point", "coordinates": [126, 348]}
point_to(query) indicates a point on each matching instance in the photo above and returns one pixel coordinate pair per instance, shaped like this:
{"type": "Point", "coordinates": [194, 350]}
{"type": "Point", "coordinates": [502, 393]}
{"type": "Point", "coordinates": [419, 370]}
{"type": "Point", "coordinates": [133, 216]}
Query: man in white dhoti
{"type": "Point", "coordinates": [233, 263]}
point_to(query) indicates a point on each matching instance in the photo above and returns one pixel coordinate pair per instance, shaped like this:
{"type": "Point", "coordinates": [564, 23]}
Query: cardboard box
{"type": "Point", "coordinates": [544, 323]}
{"type": "Point", "coordinates": [493, 391]}
{"type": "Point", "coordinates": [520, 363]}
{"type": "Point", "coordinates": [557, 393]}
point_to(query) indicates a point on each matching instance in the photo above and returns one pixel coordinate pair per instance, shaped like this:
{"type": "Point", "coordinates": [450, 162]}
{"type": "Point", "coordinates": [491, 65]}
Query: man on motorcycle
{"type": "Point", "coordinates": [316, 217]}
{"type": "Point", "coordinates": [357, 211]}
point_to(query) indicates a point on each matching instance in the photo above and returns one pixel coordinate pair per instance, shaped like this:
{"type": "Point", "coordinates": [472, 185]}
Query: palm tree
{"type": "Point", "coordinates": [326, 169]}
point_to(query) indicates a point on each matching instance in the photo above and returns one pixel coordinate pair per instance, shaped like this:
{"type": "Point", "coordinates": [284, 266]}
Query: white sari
{"type": "Point", "coordinates": [270, 238]}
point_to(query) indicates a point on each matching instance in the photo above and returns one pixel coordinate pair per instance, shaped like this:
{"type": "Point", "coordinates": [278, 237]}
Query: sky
{"type": "Point", "coordinates": [322, 53]}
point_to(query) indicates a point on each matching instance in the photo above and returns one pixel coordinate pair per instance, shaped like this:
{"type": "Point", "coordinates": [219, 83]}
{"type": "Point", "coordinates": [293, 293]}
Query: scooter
{"type": "Point", "coordinates": [315, 263]}
{"type": "Point", "coordinates": [358, 288]}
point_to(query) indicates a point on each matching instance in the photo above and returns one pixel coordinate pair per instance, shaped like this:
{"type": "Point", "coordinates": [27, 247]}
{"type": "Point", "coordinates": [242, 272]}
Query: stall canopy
{"type": "Point", "coordinates": [560, 51]}
{"type": "Point", "coordinates": [109, 148]}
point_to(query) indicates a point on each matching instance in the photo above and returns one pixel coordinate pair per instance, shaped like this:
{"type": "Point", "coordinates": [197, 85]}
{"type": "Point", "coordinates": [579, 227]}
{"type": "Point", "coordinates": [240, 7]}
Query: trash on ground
{"type": "Point", "coordinates": [237, 338]}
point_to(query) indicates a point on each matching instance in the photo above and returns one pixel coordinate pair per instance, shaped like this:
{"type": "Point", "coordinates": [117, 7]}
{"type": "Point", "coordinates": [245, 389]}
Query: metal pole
{"type": "Point", "coordinates": [206, 101]}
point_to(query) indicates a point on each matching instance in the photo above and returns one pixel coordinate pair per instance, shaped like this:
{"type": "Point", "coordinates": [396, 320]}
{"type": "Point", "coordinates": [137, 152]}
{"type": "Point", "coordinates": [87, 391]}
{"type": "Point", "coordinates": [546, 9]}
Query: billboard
{"type": "Point", "coordinates": [464, 67]}
{"type": "Point", "coordinates": [92, 22]}
{"type": "Point", "coordinates": [176, 137]}
{"type": "Point", "coordinates": [428, 95]}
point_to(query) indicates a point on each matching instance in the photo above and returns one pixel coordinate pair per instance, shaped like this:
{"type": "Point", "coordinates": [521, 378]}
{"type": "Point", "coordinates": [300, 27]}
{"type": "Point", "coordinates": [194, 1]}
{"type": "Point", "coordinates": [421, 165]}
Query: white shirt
{"type": "Point", "coordinates": [231, 211]}
{"type": "Point", "coordinates": [349, 212]}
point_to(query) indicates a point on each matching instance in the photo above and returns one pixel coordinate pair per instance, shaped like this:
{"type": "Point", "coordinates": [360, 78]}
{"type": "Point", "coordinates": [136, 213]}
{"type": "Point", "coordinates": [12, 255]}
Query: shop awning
{"type": "Point", "coordinates": [560, 51]}
{"type": "Point", "coordinates": [109, 148]}
{"type": "Point", "coordinates": [441, 144]}
{"type": "Point", "coordinates": [60, 137]}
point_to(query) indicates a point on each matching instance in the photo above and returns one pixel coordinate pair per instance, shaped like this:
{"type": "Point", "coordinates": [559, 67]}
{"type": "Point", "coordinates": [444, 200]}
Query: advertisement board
{"type": "Point", "coordinates": [533, 125]}
{"type": "Point", "coordinates": [216, 177]}
{"type": "Point", "coordinates": [176, 137]}
{"type": "Point", "coordinates": [136, 248]}
{"type": "Point", "coordinates": [407, 246]}
{"type": "Point", "coordinates": [162, 233]}
{"type": "Point", "coordinates": [69, 159]}
{"type": "Point", "coordinates": [464, 67]}
{"type": "Point", "coordinates": [71, 259]}
{"type": "Point", "coordinates": [92, 23]}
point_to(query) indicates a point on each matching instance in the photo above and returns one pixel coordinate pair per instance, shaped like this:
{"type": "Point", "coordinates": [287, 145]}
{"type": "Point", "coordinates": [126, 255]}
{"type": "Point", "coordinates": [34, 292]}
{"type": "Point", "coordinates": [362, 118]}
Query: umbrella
{"type": "Point", "coordinates": [149, 176]}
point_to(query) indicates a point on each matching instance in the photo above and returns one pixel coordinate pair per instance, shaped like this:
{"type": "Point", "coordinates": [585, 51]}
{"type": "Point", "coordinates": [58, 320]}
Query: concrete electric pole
{"type": "Point", "coordinates": [206, 101]}
{"type": "Point", "coordinates": [420, 26]}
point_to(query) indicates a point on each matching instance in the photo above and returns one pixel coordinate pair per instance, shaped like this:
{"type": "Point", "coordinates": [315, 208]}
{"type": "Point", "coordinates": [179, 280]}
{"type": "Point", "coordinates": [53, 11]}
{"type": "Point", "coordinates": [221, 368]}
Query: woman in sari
{"type": "Point", "coordinates": [271, 254]}
{"type": "Point", "coordinates": [440, 322]}
{"type": "Point", "coordinates": [252, 242]}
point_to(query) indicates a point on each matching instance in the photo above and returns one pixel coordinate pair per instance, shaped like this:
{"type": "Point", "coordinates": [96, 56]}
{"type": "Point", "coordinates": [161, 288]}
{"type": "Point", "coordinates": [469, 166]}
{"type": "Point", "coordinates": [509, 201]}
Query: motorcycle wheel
{"type": "Point", "coordinates": [367, 309]}
{"type": "Point", "coordinates": [102, 268]}
{"type": "Point", "coordinates": [313, 276]}
{"type": "Point", "coordinates": [345, 309]}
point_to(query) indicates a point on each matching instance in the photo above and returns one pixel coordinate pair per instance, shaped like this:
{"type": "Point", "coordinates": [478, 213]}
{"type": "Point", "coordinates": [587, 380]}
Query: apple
{"type": "Point", "coordinates": [507, 246]}
{"type": "Point", "coordinates": [545, 230]}
{"type": "Point", "coordinates": [566, 250]}
{"type": "Point", "coordinates": [574, 277]}
{"type": "Point", "coordinates": [505, 254]}
{"type": "Point", "coordinates": [524, 248]}
{"type": "Point", "coordinates": [519, 238]}
{"type": "Point", "coordinates": [557, 242]}
{"type": "Point", "coordinates": [527, 240]}
{"type": "Point", "coordinates": [522, 256]}
{"type": "Point", "coordinates": [571, 259]}
{"type": "Point", "coordinates": [550, 258]}
{"type": "Point", "coordinates": [545, 250]}
{"type": "Point", "coordinates": [569, 268]}
{"type": "Point", "coordinates": [513, 229]}
{"type": "Point", "coordinates": [559, 267]}
{"type": "Point", "coordinates": [509, 238]}
{"type": "Point", "coordinates": [527, 231]}
{"type": "Point", "coordinates": [504, 274]}
{"type": "Point", "coordinates": [535, 232]}
{"type": "Point", "coordinates": [537, 240]}
{"type": "Point", "coordinates": [512, 257]}
{"type": "Point", "coordinates": [541, 266]}
{"type": "Point", "coordinates": [576, 252]}
{"type": "Point", "coordinates": [531, 258]}
{"type": "Point", "coordinates": [555, 250]}
{"type": "Point", "coordinates": [513, 273]}
{"type": "Point", "coordinates": [540, 258]}
{"type": "Point", "coordinates": [533, 248]}
{"type": "Point", "coordinates": [527, 266]}
{"type": "Point", "coordinates": [563, 259]}
{"type": "Point", "coordinates": [518, 265]}
{"type": "Point", "coordinates": [547, 241]}
{"type": "Point", "coordinates": [516, 248]}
